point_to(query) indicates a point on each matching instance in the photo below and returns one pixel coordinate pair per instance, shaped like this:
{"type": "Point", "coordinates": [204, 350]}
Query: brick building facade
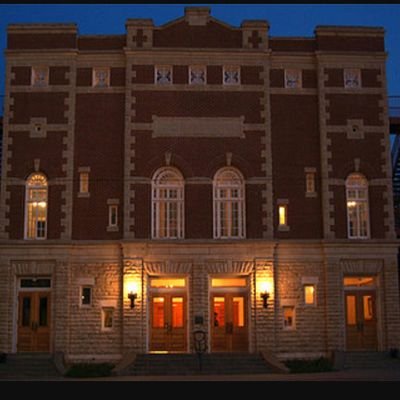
{"type": "Point", "coordinates": [196, 176]}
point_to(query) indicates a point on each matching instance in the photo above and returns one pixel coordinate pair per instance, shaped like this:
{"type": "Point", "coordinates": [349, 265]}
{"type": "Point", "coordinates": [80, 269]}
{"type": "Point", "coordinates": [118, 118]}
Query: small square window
{"type": "Point", "coordinates": [40, 76]}
{"type": "Point", "coordinates": [107, 318]}
{"type": "Point", "coordinates": [101, 77]}
{"type": "Point", "coordinates": [293, 78]}
{"type": "Point", "coordinates": [86, 296]}
{"type": "Point", "coordinates": [197, 75]}
{"type": "Point", "coordinates": [84, 182]}
{"type": "Point", "coordinates": [309, 294]}
{"type": "Point", "coordinates": [310, 182]}
{"type": "Point", "coordinates": [164, 75]}
{"type": "Point", "coordinates": [113, 215]}
{"type": "Point", "coordinates": [288, 317]}
{"type": "Point", "coordinates": [231, 75]}
{"type": "Point", "coordinates": [352, 78]}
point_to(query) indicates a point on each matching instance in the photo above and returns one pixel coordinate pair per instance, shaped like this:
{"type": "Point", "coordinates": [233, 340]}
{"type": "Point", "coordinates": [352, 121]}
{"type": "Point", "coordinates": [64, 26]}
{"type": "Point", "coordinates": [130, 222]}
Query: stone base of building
{"type": "Point", "coordinates": [99, 301]}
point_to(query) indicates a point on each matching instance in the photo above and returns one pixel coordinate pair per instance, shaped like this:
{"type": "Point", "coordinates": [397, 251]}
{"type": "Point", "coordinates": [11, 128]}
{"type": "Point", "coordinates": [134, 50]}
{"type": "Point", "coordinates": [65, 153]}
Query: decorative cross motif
{"type": "Point", "coordinates": [255, 39]}
{"type": "Point", "coordinates": [140, 38]}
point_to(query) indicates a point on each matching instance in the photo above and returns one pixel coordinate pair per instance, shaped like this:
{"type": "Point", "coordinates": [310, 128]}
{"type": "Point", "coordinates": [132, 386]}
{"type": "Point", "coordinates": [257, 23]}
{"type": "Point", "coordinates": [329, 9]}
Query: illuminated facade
{"type": "Point", "coordinates": [196, 176]}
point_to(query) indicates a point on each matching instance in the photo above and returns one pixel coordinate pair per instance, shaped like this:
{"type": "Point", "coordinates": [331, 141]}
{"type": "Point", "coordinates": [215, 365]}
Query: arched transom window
{"type": "Point", "coordinates": [36, 207]}
{"type": "Point", "coordinates": [167, 204]}
{"type": "Point", "coordinates": [229, 209]}
{"type": "Point", "coordinates": [357, 206]}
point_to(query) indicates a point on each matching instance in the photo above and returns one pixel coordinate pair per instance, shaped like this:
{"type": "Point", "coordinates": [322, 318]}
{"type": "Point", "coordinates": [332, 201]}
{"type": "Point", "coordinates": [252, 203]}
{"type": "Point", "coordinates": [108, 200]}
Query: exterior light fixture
{"type": "Point", "coordinates": [265, 293]}
{"type": "Point", "coordinates": [132, 292]}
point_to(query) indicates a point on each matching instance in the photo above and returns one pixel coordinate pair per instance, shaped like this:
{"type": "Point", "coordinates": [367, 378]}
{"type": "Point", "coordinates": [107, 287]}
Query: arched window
{"type": "Point", "coordinates": [167, 204]}
{"type": "Point", "coordinates": [229, 209]}
{"type": "Point", "coordinates": [36, 207]}
{"type": "Point", "coordinates": [357, 206]}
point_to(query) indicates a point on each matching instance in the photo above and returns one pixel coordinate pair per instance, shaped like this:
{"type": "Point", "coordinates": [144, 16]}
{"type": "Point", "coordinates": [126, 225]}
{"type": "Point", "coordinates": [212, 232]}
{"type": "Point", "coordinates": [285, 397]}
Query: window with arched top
{"type": "Point", "coordinates": [357, 206]}
{"type": "Point", "coordinates": [167, 204]}
{"type": "Point", "coordinates": [36, 193]}
{"type": "Point", "coordinates": [229, 207]}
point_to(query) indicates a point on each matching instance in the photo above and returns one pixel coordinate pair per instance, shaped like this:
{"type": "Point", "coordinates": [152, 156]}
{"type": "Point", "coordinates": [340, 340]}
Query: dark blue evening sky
{"type": "Point", "coordinates": [285, 20]}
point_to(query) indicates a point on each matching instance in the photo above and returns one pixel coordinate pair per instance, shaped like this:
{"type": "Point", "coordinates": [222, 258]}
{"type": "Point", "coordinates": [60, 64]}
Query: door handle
{"type": "Point", "coordinates": [168, 327]}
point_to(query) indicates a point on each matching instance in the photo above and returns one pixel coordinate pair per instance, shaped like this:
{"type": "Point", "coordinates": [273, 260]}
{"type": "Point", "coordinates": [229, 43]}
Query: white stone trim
{"type": "Point", "coordinates": [86, 281]}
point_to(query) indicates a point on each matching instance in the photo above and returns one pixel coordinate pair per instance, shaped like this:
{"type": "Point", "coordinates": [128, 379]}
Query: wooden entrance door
{"type": "Point", "coordinates": [229, 322]}
{"type": "Point", "coordinates": [361, 331]}
{"type": "Point", "coordinates": [33, 322]}
{"type": "Point", "coordinates": [168, 323]}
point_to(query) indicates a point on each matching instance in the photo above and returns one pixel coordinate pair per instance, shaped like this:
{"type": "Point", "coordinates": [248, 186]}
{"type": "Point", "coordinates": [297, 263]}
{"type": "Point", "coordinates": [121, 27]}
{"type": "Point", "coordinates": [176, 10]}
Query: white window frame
{"type": "Point", "coordinates": [221, 183]}
{"type": "Point", "coordinates": [81, 295]}
{"type": "Point", "coordinates": [293, 326]}
{"type": "Point", "coordinates": [355, 71]}
{"type": "Point", "coordinates": [44, 69]}
{"type": "Point", "coordinates": [112, 211]}
{"type": "Point", "coordinates": [357, 201]}
{"type": "Point", "coordinates": [95, 70]}
{"type": "Point", "coordinates": [161, 199]}
{"type": "Point", "coordinates": [159, 67]}
{"type": "Point", "coordinates": [31, 186]}
{"type": "Point", "coordinates": [231, 67]}
{"type": "Point", "coordinates": [204, 68]}
{"type": "Point", "coordinates": [84, 182]}
{"type": "Point", "coordinates": [299, 80]}
{"type": "Point", "coordinates": [104, 309]}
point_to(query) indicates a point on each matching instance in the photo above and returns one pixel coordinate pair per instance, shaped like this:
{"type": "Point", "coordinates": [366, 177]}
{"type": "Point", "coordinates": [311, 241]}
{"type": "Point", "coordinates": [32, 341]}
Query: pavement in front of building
{"type": "Point", "coordinates": [345, 375]}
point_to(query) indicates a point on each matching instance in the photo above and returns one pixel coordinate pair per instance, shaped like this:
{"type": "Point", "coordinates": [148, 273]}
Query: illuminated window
{"type": "Point", "coordinates": [352, 78]}
{"type": "Point", "coordinates": [167, 283]}
{"type": "Point", "coordinates": [36, 207]}
{"type": "Point", "coordinates": [197, 75]}
{"type": "Point", "coordinates": [163, 75]}
{"type": "Point", "coordinates": [107, 317]}
{"type": "Point", "coordinates": [288, 317]}
{"type": "Point", "coordinates": [101, 77]}
{"type": "Point", "coordinates": [113, 215]}
{"type": "Point", "coordinates": [231, 75]}
{"type": "Point", "coordinates": [84, 182]}
{"type": "Point", "coordinates": [229, 212]}
{"type": "Point", "coordinates": [167, 204]}
{"type": "Point", "coordinates": [357, 207]}
{"type": "Point", "coordinates": [40, 76]}
{"type": "Point", "coordinates": [293, 78]}
{"type": "Point", "coordinates": [310, 181]}
{"type": "Point", "coordinates": [309, 294]}
{"type": "Point", "coordinates": [359, 281]}
{"type": "Point", "coordinates": [86, 295]}
{"type": "Point", "coordinates": [228, 282]}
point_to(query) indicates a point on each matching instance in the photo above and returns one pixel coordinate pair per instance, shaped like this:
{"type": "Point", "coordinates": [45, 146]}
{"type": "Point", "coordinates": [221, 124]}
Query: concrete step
{"type": "Point", "coordinates": [188, 364]}
{"type": "Point", "coordinates": [26, 365]}
{"type": "Point", "coordinates": [370, 360]}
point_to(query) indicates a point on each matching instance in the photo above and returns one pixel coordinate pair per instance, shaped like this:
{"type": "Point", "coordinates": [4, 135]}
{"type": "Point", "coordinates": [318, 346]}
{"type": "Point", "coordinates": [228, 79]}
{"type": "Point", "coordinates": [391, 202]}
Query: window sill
{"type": "Point", "coordinates": [283, 228]}
{"type": "Point", "coordinates": [311, 194]}
{"type": "Point", "coordinates": [83, 194]}
{"type": "Point", "coordinates": [112, 228]}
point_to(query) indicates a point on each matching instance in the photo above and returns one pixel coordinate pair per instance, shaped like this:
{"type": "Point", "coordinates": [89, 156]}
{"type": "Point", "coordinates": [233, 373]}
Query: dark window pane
{"type": "Point", "coordinates": [86, 295]}
{"type": "Point", "coordinates": [40, 282]}
{"type": "Point", "coordinates": [26, 311]}
{"type": "Point", "coordinates": [43, 311]}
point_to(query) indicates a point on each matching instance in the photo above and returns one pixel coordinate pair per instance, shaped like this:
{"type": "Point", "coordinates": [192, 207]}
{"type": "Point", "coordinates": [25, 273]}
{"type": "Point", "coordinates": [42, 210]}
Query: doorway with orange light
{"type": "Point", "coordinates": [361, 316]}
{"type": "Point", "coordinates": [229, 314]}
{"type": "Point", "coordinates": [168, 315]}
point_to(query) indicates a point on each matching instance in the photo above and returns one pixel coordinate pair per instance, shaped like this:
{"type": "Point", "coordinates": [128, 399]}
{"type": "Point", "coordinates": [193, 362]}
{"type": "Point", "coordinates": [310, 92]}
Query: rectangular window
{"type": "Point", "coordinates": [101, 77]}
{"type": "Point", "coordinates": [352, 78]}
{"type": "Point", "coordinates": [283, 215]}
{"type": "Point", "coordinates": [84, 182]}
{"type": "Point", "coordinates": [112, 215]}
{"type": "Point", "coordinates": [288, 317]}
{"type": "Point", "coordinates": [107, 318]}
{"type": "Point", "coordinates": [310, 182]}
{"type": "Point", "coordinates": [309, 294]}
{"type": "Point", "coordinates": [197, 75]}
{"type": "Point", "coordinates": [86, 296]}
{"type": "Point", "coordinates": [231, 75]}
{"type": "Point", "coordinates": [40, 76]}
{"type": "Point", "coordinates": [293, 78]}
{"type": "Point", "coordinates": [163, 75]}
